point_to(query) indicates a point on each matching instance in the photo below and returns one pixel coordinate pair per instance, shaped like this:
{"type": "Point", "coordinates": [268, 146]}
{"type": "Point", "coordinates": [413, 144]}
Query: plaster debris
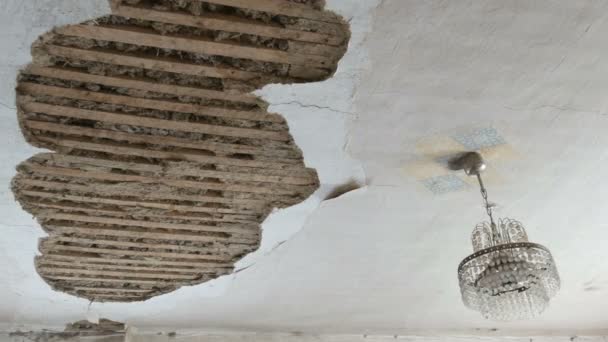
{"type": "Point", "coordinates": [106, 330]}
{"type": "Point", "coordinates": [165, 165]}
{"type": "Point", "coordinates": [343, 189]}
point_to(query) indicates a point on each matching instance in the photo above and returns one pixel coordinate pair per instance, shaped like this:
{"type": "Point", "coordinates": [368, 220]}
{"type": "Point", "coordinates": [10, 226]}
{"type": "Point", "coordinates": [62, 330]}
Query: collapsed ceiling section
{"type": "Point", "coordinates": [164, 164]}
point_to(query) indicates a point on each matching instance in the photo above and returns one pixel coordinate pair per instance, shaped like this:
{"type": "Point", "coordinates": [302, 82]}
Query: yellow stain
{"type": "Point", "coordinates": [434, 152]}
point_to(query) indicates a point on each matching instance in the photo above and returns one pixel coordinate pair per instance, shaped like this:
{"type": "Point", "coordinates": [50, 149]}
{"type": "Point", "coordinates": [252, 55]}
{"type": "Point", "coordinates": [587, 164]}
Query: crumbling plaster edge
{"type": "Point", "coordinates": [313, 108]}
{"type": "Point", "coordinates": [326, 109]}
{"type": "Point", "coordinates": [336, 107]}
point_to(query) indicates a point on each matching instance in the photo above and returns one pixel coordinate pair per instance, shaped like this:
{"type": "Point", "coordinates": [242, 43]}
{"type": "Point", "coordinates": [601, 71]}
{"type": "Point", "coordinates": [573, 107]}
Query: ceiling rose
{"type": "Point", "coordinates": [507, 277]}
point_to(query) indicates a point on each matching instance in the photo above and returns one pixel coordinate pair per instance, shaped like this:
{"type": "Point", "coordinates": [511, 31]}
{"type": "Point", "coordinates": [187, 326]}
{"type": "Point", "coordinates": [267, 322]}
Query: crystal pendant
{"type": "Point", "coordinates": [507, 277]}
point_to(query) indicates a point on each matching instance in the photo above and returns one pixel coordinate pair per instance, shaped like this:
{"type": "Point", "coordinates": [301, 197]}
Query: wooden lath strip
{"type": "Point", "coordinates": [69, 202]}
{"type": "Point", "coordinates": [127, 150]}
{"type": "Point", "coordinates": [167, 171]}
{"type": "Point", "coordinates": [42, 261]}
{"type": "Point", "coordinates": [280, 7]}
{"type": "Point", "coordinates": [178, 249]}
{"type": "Point", "coordinates": [138, 102]}
{"type": "Point", "coordinates": [110, 280]}
{"type": "Point", "coordinates": [45, 271]}
{"type": "Point", "coordinates": [142, 234]}
{"type": "Point", "coordinates": [153, 224]}
{"type": "Point", "coordinates": [124, 82]}
{"type": "Point", "coordinates": [266, 191]}
{"type": "Point", "coordinates": [158, 140]}
{"type": "Point", "coordinates": [143, 204]}
{"type": "Point", "coordinates": [78, 208]}
{"type": "Point", "coordinates": [28, 182]}
{"type": "Point", "coordinates": [165, 64]}
{"type": "Point", "coordinates": [55, 255]}
{"type": "Point", "coordinates": [123, 252]}
{"type": "Point", "coordinates": [172, 270]}
{"type": "Point", "coordinates": [115, 298]}
{"type": "Point", "coordinates": [128, 119]}
{"type": "Point", "coordinates": [139, 36]}
{"type": "Point", "coordinates": [113, 290]}
{"type": "Point", "coordinates": [278, 189]}
{"type": "Point", "coordinates": [212, 21]}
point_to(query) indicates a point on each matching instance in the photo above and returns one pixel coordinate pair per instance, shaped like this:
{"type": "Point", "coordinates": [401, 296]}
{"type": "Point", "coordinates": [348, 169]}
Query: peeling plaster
{"type": "Point", "coordinates": [343, 189]}
{"type": "Point", "coordinates": [22, 23]}
{"type": "Point", "coordinates": [318, 114]}
{"type": "Point", "coordinates": [319, 117]}
{"type": "Point", "coordinates": [29, 99]}
{"type": "Point", "coordinates": [322, 128]}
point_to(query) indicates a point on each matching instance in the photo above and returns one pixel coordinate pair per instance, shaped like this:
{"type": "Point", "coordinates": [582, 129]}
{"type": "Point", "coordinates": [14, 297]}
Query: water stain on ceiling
{"type": "Point", "coordinates": [163, 164]}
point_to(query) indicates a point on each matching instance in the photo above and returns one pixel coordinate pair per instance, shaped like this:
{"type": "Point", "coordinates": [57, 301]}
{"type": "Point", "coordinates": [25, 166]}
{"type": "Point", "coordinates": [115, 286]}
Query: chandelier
{"type": "Point", "coordinates": [507, 277]}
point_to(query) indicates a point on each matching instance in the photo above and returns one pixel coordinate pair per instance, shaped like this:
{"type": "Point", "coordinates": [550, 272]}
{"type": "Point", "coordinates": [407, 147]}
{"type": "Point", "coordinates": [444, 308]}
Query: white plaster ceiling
{"type": "Point", "coordinates": [525, 81]}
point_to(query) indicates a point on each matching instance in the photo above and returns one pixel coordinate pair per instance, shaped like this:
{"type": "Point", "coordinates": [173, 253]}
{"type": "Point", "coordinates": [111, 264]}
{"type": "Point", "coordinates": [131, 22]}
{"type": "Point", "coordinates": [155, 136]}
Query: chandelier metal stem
{"type": "Point", "coordinates": [484, 195]}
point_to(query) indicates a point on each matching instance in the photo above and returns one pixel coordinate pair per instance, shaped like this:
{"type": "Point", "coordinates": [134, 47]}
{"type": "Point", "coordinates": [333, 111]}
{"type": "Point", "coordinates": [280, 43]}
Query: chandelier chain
{"type": "Point", "coordinates": [484, 195]}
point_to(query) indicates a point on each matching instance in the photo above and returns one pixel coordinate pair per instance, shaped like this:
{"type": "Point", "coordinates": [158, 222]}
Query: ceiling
{"type": "Point", "coordinates": [522, 81]}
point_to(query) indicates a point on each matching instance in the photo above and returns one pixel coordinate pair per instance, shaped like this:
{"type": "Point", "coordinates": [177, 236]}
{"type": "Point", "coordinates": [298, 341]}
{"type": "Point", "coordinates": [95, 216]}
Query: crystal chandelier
{"type": "Point", "coordinates": [507, 277]}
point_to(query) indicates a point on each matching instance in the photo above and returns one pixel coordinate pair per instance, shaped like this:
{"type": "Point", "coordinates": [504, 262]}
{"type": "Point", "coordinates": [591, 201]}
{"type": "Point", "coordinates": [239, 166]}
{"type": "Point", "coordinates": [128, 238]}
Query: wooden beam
{"type": "Point", "coordinates": [109, 280]}
{"type": "Point", "coordinates": [171, 172]}
{"type": "Point", "coordinates": [149, 37]}
{"type": "Point", "coordinates": [79, 257]}
{"type": "Point", "coordinates": [281, 7]}
{"type": "Point", "coordinates": [178, 249]}
{"type": "Point", "coordinates": [164, 105]}
{"type": "Point", "coordinates": [124, 252]}
{"type": "Point", "coordinates": [143, 204]}
{"type": "Point", "coordinates": [114, 297]}
{"type": "Point", "coordinates": [158, 140]}
{"type": "Point", "coordinates": [41, 208]}
{"type": "Point", "coordinates": [152, 224]}
{"type": "Point", "coordinates": [165, 64]}
{"type": "Point", "coordinates": [140, 84]}
{"type": "Point", "coordinates": [134, 120]}
{"type": "Point", "coordinates": [212, 21]}
{"type": "Point", "coordinates": [271, 168]}
{"type": "Point", "coordinates": [267, 191]}
{"type": "Point", "coordinates": [44, 271]}
{"type": "Point", "coordinates": [106, 289]}
{"type": "Point", "coordinates": [61, 202]}
{"type": "Point", "coordinates": [142, 234]}
{"type": "Point", "coordinates": [28, 182]}
{"type": "Point", "coordinates": [42, 261]}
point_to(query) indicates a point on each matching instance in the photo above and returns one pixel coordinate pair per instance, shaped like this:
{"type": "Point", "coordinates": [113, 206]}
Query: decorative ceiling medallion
{"type": "Point", "coordinates": [164, 164]}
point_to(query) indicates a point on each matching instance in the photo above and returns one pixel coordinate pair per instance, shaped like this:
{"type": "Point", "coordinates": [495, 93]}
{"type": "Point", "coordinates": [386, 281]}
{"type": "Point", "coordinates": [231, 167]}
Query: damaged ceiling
{"type": "Point", "coordinates": [165, 165]}
{"type": "Point", "coordinates": [522, 81]}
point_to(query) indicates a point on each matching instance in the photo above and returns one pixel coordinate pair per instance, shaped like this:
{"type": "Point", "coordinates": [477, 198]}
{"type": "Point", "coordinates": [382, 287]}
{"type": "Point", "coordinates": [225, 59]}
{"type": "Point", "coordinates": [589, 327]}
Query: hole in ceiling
{"type": "Point", "coordinates": [164, 164]}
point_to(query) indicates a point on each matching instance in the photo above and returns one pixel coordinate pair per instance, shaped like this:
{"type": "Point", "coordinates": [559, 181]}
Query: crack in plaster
{"type": "Point", "coordinates": [573, 45]}
{"type": "Point", "coordinates": [561, 108]}
{"type": "Point", "coordinates": [9, 225]}
{"type": "Point", "coordinates": [7, 106]}
{"type": "Point", "coordinates": [302, 105]}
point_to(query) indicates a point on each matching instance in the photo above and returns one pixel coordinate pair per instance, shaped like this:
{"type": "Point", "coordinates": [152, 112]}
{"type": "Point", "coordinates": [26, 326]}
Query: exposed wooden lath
{"type": "Point", "coordinates": [164, 163]}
